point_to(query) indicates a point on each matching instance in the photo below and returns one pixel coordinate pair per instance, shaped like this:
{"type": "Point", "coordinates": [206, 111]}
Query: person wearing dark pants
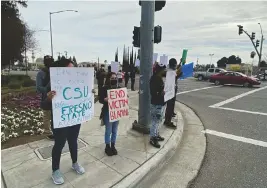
{"type": "Point", "coordinates": [126, 78]}
{"type": "Point", "coordinates": [132, 75]}
{"type": "Point", "coordinates": [100, 76]}
{"type": "Point", "coordinates": [111, 127]}
{"type": "Point", "coordinates": [169, 113]}
{"type": "Point", "coordinates": [61, 135]}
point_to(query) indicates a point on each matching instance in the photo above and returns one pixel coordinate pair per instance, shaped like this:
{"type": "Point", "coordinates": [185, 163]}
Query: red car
{"type": "Point", "coordinates": [234, 78]}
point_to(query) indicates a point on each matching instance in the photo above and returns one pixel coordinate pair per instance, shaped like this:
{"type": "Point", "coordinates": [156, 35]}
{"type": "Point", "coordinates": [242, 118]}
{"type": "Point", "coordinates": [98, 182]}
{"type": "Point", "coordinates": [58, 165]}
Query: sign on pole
{"type": "Point", "coordinates": [74, 100]}
{"type": "Point", "coordinates": [169, 87]}
{"type": "Point", "coordinates": [118, 104]}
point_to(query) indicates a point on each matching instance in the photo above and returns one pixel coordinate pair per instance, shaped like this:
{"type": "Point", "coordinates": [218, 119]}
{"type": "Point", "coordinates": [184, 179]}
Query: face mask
{"type": "Point", "coordinates": [113, 82]}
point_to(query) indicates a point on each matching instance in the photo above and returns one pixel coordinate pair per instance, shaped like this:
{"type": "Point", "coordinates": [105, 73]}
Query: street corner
{"type": "Point", "coordinates": [193, 146]}
{"type": "Point", "coordinates": [156, 158]}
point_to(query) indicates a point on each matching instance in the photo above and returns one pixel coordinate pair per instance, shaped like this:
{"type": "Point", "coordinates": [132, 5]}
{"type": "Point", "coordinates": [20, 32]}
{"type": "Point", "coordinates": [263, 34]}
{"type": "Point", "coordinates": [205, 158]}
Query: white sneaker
{"type": "Point", "coordinates": [57, 177]}
{"type": "Point", "coordinates": [78, 168]}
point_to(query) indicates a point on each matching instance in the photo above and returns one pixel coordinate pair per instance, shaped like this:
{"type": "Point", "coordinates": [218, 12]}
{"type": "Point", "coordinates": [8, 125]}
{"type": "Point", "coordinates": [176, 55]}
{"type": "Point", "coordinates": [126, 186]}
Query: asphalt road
{"type": "Point", "coordinates": [229, 163]}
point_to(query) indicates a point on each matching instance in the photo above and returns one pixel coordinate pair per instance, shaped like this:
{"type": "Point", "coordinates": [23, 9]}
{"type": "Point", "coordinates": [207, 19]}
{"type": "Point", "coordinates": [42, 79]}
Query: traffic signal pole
{"type": "Point", "coordinates": [146, 58]}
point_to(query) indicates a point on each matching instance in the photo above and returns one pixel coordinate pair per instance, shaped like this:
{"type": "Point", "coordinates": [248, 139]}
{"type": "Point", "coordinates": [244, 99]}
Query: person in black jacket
{"type": "Point", "coordinates": [111, 127]}
{"type": "Point", "coordinates": [157, 103]}
{"type": "Point", "coordinates": [132, 75]}
{"type": "Point", "coordinates": [100, 76]}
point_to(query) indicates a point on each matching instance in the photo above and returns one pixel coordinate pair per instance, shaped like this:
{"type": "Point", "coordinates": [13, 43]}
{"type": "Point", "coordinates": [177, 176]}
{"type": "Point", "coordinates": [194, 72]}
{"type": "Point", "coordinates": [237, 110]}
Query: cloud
{"type": "Point", "coordinates": [100, 27]}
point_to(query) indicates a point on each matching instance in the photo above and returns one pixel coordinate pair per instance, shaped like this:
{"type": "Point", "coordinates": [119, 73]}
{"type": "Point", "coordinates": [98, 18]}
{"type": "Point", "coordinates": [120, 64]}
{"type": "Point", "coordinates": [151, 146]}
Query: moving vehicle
{"type": "Point", "coordinates": [234, 78]}
{"type": "Point", "coordinates": [206, 75]}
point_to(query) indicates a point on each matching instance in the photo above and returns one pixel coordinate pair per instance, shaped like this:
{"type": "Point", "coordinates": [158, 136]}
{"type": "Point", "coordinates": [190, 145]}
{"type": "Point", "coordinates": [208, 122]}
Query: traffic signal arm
{"type": "Point", "coordinates": [252, 42]}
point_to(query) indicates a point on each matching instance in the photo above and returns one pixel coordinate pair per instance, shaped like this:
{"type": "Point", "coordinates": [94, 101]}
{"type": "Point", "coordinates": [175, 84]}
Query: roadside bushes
{"type": "Point", "coordinates": [16, 81]}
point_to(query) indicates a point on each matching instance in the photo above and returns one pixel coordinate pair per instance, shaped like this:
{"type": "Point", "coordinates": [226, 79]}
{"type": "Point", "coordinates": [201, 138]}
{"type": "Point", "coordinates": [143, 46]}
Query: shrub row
{"type": "Point", "coordinates": [16, 81]}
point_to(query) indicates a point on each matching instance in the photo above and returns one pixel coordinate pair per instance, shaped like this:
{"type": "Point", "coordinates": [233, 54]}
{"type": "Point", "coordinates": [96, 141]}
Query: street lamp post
{"type": "Point", "coordinates": [262, 39]}
{"type": "Point", "coordinates": [211, 58]}
{"type": "Point", "coordinates": [50, 21]}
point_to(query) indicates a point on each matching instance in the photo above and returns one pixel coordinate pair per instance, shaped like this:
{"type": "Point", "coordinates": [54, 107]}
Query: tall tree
{"type": "Point", "coordinates": [116, 56]}
{"type": "Point", "coordinates": [125, 61]}
{"type": "Point", "coordinates": [74, 59]}
{"type": "Point", "coordinates": [131, 58]}
{"type": "Point", "coordinates": [13, 32]}
{"type": "Point", "coordinates": [234, 60]}
{"type": "Point", "coordinates": [222, 62]}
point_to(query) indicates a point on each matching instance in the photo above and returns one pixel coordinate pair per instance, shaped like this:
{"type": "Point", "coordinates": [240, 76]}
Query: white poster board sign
{"type": "Point", "coordinates": [163, 60]}
{"type": "Point", "coordinates": [115, 66]}
{"type": "Point", "coordinates": [118, 104]}
{"type": "Point", "coordinates": [169, 87]}
{"type": "Point", "coordinates": [74, 100]}
{"type": "Point", "coordinates": [155, 58]}
{"type": "Point", "coordinates": [137, 63]}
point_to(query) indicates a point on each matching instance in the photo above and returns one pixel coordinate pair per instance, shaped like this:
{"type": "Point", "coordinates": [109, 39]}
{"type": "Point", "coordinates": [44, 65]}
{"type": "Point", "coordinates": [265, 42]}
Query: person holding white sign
{"type": "Point", "coordinates": [111, 127]}
{"type": "Point", "coordinates": [70, 134]}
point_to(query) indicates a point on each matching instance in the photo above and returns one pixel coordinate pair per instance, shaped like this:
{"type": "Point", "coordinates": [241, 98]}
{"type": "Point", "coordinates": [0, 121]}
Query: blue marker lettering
{"type": "Point", "coordinates": [78, 90]}
{"type": "Point", "coordinates": [64, 90]}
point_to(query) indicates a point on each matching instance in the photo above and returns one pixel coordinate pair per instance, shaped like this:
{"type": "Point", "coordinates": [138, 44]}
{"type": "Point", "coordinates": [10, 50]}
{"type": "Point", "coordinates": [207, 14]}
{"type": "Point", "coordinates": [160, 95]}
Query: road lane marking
{"type": "Point", "coordinates": [196, 90]}
{"type": "Point", "coordinates": [236, 138]}
{"type": "Point", "coordinates": [236, 97]}
{"type": "Point", "coordinates": [239, 110]}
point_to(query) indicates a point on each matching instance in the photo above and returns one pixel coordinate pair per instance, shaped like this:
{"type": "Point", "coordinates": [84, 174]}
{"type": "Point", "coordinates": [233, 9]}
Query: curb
{"type": "Point", "coordinates": [158, 159]}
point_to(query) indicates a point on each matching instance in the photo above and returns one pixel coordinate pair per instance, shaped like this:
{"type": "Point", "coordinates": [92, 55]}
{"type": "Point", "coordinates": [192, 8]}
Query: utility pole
{"type": "Point", "coordinates": [146, 53]}
{"type": "Point", "coordinates": [98, 63]}
{"type": "Point", "coordinates": [262, 39]}
{"type": "Point", "coordinates": [211, 58]}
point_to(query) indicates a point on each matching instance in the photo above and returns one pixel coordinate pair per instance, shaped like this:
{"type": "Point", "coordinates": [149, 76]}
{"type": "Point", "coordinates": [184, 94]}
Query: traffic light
{"type": "Point", "coordinates": [136, 36]}
{"type": "Point", "coordinates": [252, 36]}
{"type": "Point", "coordinates": [158, 4]}
{"type": "Point", "coordinates": [157, 34]}
{"type": "Point", "coordinates": [240, 29]}
{"type": "Point", "coordinates": [257, 43]}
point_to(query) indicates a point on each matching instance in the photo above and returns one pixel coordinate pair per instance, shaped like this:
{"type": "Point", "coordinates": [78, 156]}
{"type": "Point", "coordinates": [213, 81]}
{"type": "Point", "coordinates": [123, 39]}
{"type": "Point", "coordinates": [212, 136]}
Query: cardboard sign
{"type": "Point", "coordinates": [169, 87]}
{"type": "Point", "coordinates": [118, 104]}
{"type": "Point", "coordinates": [115, 66]}
{"type": "Point", "coordinates": [74, 100]}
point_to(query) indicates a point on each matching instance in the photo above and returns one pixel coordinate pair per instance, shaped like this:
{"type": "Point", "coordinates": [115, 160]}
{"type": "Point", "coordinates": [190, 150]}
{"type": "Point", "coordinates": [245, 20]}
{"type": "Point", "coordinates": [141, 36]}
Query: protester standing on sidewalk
{"type": "Point", "coordinates": [119, 77]}
{"type": "Point", "coordinates": [61, 135]}
{"type": "Point", "coordinates": [42, 84]}
{"type": "Point", "coordinates": [171, 103]}
{"type": "Point", "coordinates": [132, 75]}
{"type": "Point", "coordinates": [126, 78]}
{"type": "Point", "coordinates": [111, 127]}
{"type": "Point", "coordinates": [100, 76]}
{"type": "Point", "coordinates": [157, 103]}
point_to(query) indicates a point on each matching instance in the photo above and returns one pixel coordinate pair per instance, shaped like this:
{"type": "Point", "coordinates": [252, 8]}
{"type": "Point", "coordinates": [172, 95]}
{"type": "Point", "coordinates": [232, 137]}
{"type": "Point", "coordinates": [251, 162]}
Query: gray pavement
{"type": "Point", "coordinates": [229, 163]}
{"type": "Point", "coordinates": [23, 167]}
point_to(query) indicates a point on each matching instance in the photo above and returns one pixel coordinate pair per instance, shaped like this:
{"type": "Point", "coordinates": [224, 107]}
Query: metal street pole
{"type": "Point", "coordinates": [51, 38]}
{"type": "Point", "coordinates": [50, 21]}
{"type": "Point", "coordinates": [262, 39]}
{"type": "Point", "coordinates": [146, 54]}
{"type": "Point", "coordinates": [210, 58]}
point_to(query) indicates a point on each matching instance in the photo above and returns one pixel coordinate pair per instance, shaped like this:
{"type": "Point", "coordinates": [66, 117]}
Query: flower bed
{"type": "Point", "coordinates": [21, 115]}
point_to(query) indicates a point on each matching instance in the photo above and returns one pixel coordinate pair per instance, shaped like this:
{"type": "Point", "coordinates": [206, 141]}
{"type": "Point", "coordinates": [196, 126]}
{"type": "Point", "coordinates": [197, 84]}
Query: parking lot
{"type": "Point", "coordinates": [235, 119]}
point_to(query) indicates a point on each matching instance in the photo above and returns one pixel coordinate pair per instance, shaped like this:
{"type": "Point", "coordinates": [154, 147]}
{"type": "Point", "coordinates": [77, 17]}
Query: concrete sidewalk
{"type": "Point", "coordinates": [29, 165]}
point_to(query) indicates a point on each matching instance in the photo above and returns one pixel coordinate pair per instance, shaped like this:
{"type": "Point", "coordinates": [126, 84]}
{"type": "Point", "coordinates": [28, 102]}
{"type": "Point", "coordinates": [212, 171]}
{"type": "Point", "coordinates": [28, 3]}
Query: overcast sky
{"type": "Point", "coordinates": [101, 26]}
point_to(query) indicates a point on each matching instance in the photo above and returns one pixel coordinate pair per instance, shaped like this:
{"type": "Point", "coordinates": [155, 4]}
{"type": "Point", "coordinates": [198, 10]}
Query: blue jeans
{"type": "Point", "coordinates": [111, 129]}
{"type": "Point", "coordinates": [156, 119]}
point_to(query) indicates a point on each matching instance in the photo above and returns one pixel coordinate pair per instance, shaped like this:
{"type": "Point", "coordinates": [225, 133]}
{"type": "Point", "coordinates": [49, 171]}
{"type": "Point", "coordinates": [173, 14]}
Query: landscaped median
{"type": "Point", "coordinates": [29, 165]}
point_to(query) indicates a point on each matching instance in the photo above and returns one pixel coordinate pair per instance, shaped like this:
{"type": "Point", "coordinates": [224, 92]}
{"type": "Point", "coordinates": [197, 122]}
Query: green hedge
{"type": "Point", "coordinates": [7, 79]}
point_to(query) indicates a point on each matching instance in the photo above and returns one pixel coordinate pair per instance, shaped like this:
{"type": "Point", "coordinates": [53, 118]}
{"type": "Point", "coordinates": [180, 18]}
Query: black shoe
{"type": "Point", "coordinates": [154, 142]}
{"type": "Point", "coordinates": [113, 149]}
{"type": "Point", "coordinates": [108, 150]}
{"type": "Point", "coordinates": [170, 125]}
{"type": "Point", "coordinates": [50, 137]}
{"type": "Point", "coordinates": [160, 138]}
